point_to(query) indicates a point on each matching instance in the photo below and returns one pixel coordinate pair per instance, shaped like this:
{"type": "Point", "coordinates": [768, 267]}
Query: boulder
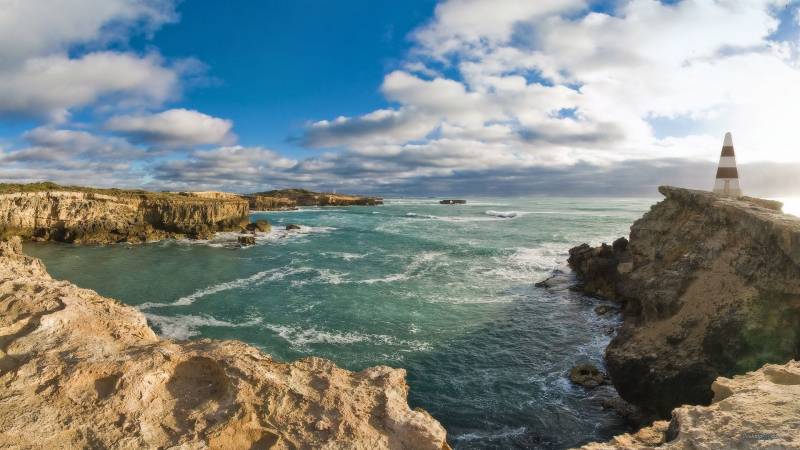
{"type": "Point", "coordinates": [292, 226]}
{"type": "Point", "coordinates": [245, 241]}
{"type": "Point", "coordinates": [587, 375]}
{"type": "Point", "coordinates": [259, 225]}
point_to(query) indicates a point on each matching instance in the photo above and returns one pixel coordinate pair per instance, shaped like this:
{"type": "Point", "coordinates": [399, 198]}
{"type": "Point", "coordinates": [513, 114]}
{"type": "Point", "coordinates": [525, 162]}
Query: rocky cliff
{"type": "Point", "coordinates": [78, 370]}
{"type": "Point", "coordinates": [292, 198]}
{"type": "Point", "coordinates": [710, 287]}
{"type": "Point", "coordinates": [85, 215]}
{"type": "Point", "coordinates": [760, 410]}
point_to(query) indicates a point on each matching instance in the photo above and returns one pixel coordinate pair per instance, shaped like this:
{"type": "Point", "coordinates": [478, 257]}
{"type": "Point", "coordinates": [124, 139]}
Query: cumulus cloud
{"type": "Point", "coordinates": [73, 157]}
{"type": "Point", "coordinates": [549, 85]}
{"type": "Point", "coordinates": [173, 128]}
{"type": "Point", "coordinates": [41, 76]}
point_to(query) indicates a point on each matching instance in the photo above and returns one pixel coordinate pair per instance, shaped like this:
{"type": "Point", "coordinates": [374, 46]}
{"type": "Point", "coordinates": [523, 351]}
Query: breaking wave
{"type": "Point", "coordinates": [184, 327]}
{"type": "Point", "coordinates": [301, 338]}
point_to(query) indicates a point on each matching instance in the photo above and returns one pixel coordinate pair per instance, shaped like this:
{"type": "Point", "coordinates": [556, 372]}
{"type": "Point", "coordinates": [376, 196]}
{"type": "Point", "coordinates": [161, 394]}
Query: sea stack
{"type": "Point", "coordinates": [727, 182]}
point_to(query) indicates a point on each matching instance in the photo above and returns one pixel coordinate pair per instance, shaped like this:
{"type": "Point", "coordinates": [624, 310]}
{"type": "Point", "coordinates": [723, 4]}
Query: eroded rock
{"type": "Point", "coordinates": [710, 286]}
{"type": "Point", "coordinates": [78, 370]}
{"type": "Point", "coordinates": [587, 375]}
{"type": "Point", "coordinates": [104, 216]}
{"type": "Point", "coordinates": [758, 410]}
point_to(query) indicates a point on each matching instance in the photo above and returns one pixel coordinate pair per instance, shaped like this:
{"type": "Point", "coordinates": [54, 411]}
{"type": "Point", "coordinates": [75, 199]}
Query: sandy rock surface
{"type": "Point", "coordinates": [78, 370]}
{"type": "Point", "coordinates": [759, 410]}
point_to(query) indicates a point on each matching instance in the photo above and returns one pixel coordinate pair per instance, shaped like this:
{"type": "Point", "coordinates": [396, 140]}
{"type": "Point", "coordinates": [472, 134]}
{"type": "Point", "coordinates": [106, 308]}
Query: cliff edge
{"type": "Point", "coordinates": [46, 211]}
{"type": "Point", "coordinates": [710, 287]}
{"type": "Point", "coordinates": [759, 410]}
{"type": "Point", "coordinates": [78, 370]}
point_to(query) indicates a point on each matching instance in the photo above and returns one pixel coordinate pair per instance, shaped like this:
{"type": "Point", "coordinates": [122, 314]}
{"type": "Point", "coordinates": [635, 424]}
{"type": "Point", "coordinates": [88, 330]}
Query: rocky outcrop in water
{"type": "Point", "coordinates": [292, 198]}
{"type": "Point", "coordinates": [101, 216]}
{"type": "Point", "coordinates": [78, 370]}
{"type": "Point", "coordinates": [759, 410]}
{"type": "Point", "coordinates": [710, 287]}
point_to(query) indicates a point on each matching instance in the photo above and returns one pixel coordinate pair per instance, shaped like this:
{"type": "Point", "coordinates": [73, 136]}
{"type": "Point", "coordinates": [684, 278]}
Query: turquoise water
{"type": "Point", "coordinates": [446, 292]}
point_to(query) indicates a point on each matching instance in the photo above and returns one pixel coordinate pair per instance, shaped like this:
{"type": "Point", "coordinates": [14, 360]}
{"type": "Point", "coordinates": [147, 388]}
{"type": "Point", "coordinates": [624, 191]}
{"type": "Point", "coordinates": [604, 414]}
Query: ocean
{"type": "Point", "coordinates": [446, 292]}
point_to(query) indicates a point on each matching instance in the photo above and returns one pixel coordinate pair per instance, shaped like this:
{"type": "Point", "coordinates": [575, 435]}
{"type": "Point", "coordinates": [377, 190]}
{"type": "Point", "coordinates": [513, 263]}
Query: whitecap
{"type": "Point", "coordinates": [387, 279]}
{"type": "Point", "coordinates": [184, 327]}
{"type": "Point", "coordinates": [505, 214]}
{"type": "Point", "coordinates": [344, 255]}
{"type": "Point", "coordinates": [324, 276]}
{"type": "Point", "coordinates": [266, 275]}
{"type": "Point", "coordinates": [301, 338]}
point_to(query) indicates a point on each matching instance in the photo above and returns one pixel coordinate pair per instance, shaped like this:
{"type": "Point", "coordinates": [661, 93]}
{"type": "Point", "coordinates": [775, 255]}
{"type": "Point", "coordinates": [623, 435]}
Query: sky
{"type": "Point", "coordinates": [419, 97]}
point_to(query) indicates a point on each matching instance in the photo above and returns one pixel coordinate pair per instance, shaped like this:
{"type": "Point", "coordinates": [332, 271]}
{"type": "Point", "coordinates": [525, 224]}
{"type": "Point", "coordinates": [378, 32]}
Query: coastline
{"type": "Point", "coordinates": [707, 291]}
{"type": "Point", "coordinates": [96, 362]}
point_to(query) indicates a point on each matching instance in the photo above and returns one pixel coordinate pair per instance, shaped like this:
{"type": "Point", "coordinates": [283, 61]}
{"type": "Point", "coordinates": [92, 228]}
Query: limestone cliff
{"type": "Point", "coordinates": [760, 410]}
{"type": "Point", "coordinates": [85, 215]}
{"type": "Point", "coordinates": [710, 286]}
{"type": "Point", "coordinates": [78, 370]}
{"type": "Point", "coordinates": [292, 198]}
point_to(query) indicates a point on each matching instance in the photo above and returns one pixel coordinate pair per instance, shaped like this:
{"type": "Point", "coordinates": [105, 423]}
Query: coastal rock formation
{"type": "Point", "coordinates": [760, 410]}
{"type": "Point", "coordinates": [100, 216]}
{"type": "Point", "coordinates": [710, 287]}
{"type": "Point", "coordinates": [78, 370]}
{"type": "Point", "coordinates": [292, 198]}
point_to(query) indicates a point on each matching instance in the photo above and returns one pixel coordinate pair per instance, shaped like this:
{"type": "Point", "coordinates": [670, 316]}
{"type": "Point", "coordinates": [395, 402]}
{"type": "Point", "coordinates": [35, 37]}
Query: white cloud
{"type": "Point", "coordinates": [174, 128]}
{"type": "Point", "coordinates": [553, 84]}
{"type": "Point", "coordinates": [51, 86]}
{"type": "Point", "coordinates": [42, 76]}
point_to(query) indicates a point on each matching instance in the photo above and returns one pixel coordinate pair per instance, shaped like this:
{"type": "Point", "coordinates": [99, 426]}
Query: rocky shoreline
{"type": "Point", "coordinates": [81, 215]}
{"type": "Point", "coordinates": [82, 371]}
{"type": "Point", "coordinates": [709, 289]}
{"type": "Point", "coordinates": [288, 199]}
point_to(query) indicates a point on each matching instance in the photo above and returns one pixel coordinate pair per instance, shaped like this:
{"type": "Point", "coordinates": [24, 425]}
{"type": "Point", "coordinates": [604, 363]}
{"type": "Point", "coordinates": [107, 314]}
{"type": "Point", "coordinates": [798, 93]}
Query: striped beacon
{"type": "Point", "coordinates": [727, 182]}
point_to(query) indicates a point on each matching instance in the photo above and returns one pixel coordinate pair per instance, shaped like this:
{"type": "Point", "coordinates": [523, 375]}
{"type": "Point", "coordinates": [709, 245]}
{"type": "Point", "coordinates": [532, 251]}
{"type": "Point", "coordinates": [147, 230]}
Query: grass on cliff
{"type": "Point", "coordinates": [47, 186]}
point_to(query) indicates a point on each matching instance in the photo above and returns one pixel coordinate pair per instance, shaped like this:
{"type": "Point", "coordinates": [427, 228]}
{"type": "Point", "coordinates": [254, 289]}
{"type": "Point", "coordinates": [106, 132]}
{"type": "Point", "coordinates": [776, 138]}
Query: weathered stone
{"type": "Point", "coordinates": [758, 410]}
{"type": "Point", "coordinates": [292, 226]}
{"type": "Point", "coordinates": [587, 375]}
{"type": "Point", "coordinates": [246, 240]}
{"type": "Point", "coordinates": [712, 289]}
{"type": "Point", "coordinates": [78, 370]}
{"type": "Point", "coordinates": [104, 216]}
{"type": "Point", "coordinates": [259, 225]}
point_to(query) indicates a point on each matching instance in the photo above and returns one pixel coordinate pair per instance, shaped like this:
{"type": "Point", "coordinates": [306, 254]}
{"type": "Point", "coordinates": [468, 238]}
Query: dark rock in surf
{"type": "Point", "coordinates": [245, 241]}
{"type": "Point", "coordinates": [587, 375]}
{"type": "Point", "coordinates": [292, 226]}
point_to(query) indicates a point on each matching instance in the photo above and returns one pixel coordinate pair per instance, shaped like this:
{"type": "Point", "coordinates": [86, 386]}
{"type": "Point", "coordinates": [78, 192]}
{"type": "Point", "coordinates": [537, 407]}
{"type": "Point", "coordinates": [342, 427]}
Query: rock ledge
{"type": "Point", "coordinates": [78, 370]}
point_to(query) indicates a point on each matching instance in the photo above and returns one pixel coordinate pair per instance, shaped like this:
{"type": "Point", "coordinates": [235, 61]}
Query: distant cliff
{"type": "Point", "coordinates": [82, 371]}
{"type": "Point", "coordinates": [710, 286]}
{"type": "Point", "coordinates": [46, 211]}
{"type": "Point", "coordinates": [758, 410]}
{"type": "Point", "coordinates": [292, 198]}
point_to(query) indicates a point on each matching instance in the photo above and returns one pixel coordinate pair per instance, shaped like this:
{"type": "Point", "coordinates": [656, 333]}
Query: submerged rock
{"type": "Point", "coordinates": [758, 410]}
{"type": "Point", "coordinates": [78, 370]}
{"type": "Point", "coordinates": [710, 287]}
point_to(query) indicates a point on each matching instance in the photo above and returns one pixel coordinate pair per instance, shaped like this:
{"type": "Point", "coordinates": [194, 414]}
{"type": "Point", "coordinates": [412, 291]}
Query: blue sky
{"type": "Point", "coordinates": [422, 97]}
{"type": "Point", "coordinates": [278, 65]}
